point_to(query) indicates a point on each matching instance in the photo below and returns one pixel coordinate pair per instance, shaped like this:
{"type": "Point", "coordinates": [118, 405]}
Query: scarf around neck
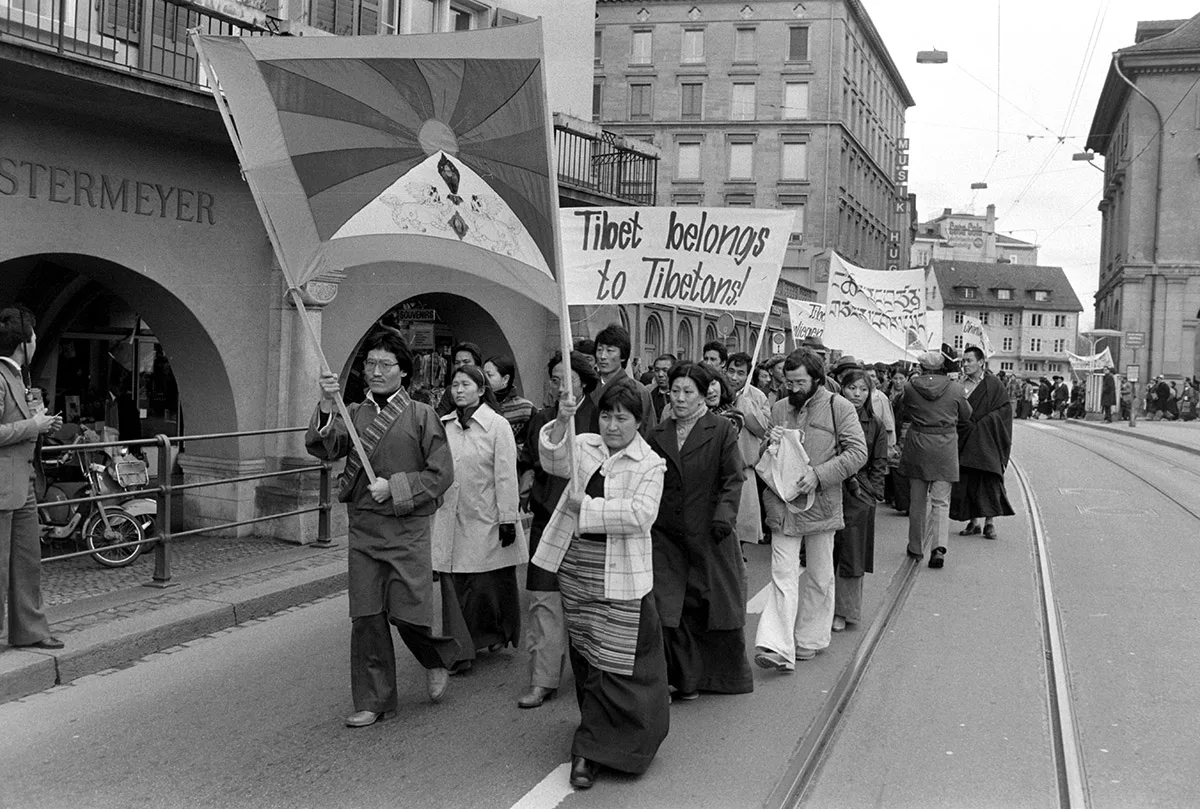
{"type": "Point", "coordinates": [465, 413]}
{"type": "Point", "coordinates": [683, 427]}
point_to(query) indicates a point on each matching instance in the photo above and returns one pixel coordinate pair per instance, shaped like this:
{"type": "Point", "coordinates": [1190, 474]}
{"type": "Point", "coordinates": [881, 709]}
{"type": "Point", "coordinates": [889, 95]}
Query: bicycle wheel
{"type": "Point", "coordinates": [124, 529]}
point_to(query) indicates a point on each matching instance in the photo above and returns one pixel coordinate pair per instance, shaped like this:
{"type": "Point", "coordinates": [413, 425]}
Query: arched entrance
{"type": "Point", "coordinates": [148, 333]}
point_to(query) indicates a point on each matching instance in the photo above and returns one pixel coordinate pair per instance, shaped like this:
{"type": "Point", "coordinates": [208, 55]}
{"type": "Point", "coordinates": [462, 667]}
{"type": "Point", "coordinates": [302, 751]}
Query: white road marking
{"type": "Point", "coordinates": [1037, 425]}
{"type": "Point", "coordinates": [550, 791]}
{"type": "Point", "coordinates": [758, 603]}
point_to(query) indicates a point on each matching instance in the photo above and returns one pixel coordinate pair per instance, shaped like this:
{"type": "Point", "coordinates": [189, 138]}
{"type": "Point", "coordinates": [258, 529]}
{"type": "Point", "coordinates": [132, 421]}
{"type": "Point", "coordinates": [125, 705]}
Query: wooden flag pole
{"type": "Point", "coordinates": [762, 332]}
{"type": "Point", "coordinates": [301, 309]}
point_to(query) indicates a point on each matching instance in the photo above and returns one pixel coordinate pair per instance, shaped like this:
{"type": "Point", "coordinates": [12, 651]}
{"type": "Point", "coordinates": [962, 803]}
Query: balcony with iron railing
{"type": "Point", "coordinates": [149, 39]}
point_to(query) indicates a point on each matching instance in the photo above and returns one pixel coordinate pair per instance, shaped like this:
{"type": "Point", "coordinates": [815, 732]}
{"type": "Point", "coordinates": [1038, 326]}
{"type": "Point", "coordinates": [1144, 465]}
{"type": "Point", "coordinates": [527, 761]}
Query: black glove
{"type": "Point", "coordinates": [508, 534]}
{"type": "Point", "coordinates": [720, 531]}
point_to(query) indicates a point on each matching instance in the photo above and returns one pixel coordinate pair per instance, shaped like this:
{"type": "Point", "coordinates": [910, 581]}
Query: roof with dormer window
{"type": "Point", "coordinates": [952, 277]}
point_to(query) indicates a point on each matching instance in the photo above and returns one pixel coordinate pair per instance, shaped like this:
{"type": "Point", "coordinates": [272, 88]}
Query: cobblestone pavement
{"type": "Point", "coordinates": [83, 577]}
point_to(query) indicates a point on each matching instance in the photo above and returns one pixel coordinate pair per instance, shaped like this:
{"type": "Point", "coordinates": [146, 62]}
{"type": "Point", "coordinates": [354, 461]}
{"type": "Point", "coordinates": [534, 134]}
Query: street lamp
{"type": "Point", "coordinates": [933, 57]}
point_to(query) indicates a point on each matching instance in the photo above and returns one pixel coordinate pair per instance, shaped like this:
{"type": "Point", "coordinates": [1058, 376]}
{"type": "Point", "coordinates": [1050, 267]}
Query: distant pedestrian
{"type": "Point", "coordinates": [1045, 398]}
{"type": "Point", "coordinates": [23, 420]}
{"type": "Point", "coordinates": [1108, 394]}
{"type": "Point", "coordinates": [798, 615]}
{"type": "Point", "coordinates": [1187, 403]}
{"type": "Point", "coordinates": [854, 543]}
{"type": "Point", "coordinates": [937, 407]}
{"type": "Point", "coordinates": [390, 575]}
{"type": "Point", "coordinates": [699, 575]}
{"type": "Point", "coordinates": [478, 540]}
{"type": "Point", "coordinates": [546, 628]}
{"type": "Point", "coordinates": [598, 542]}
{"type": "Point", "coordinates": [984, 448]}
{"type": "Point", "coordinates": [501, 374]}
{"type": "Point", "coordinates": [1062, 396]}
{"type": "Point", "coordinates": [756, 417]}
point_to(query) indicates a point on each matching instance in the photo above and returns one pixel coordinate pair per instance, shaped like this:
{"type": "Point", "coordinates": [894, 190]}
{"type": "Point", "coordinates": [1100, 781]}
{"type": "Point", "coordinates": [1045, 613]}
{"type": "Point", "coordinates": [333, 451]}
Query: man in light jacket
{"type": "Point", "coordinates": [798, 616]}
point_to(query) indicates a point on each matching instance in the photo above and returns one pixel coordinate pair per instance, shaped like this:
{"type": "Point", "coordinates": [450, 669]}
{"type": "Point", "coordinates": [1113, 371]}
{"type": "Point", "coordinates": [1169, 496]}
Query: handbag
{"type": "Point", "coordinates": [781, 467]}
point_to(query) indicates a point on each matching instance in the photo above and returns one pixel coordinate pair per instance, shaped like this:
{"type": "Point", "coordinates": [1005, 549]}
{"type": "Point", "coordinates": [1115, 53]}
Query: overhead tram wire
{"type": "Point", "coordinates": [1085, 65]}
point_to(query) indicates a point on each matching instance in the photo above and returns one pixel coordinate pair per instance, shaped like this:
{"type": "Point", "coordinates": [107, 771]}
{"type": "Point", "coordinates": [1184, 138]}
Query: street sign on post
{"type": "Point", "coordinates": [1135, 339]}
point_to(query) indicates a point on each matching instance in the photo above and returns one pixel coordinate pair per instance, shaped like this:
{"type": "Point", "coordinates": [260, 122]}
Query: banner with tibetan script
{"type": "Point", "coordinates": [876, 315]}
{"type": "Point", "coordinates": [704, 258]}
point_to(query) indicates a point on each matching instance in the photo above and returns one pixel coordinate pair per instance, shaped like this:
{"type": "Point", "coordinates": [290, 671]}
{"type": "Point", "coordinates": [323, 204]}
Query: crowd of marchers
{"type": "Point", "coordinates": [629, 501]}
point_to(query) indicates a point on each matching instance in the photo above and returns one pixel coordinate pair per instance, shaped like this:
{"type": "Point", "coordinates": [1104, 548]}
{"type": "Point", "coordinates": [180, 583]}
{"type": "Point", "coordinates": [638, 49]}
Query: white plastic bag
{"type": "Point", "coordinates": [782, 466]}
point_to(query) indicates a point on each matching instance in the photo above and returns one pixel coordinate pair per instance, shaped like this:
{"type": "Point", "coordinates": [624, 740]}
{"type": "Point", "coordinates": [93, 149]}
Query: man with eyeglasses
{"type": "Point", "coordinates": [390, 563]}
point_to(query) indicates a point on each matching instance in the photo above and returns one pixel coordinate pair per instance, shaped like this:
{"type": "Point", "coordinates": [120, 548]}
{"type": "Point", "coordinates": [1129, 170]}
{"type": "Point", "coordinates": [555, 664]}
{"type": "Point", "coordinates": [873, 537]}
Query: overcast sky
{"type": "Point", "coordinates": [1047, 87]}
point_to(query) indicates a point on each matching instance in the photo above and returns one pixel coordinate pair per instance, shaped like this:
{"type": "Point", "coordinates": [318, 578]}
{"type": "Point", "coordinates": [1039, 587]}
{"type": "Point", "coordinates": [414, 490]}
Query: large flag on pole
{"type": "Point", "coordinates": [426, 149]}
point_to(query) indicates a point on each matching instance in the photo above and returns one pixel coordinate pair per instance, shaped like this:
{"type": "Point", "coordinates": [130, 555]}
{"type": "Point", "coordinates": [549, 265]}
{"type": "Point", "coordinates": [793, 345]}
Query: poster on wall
{"type": "Point", "coordinates": [876, 315]}
{"type": "Point", "coordinates": [726, 259]}
{"type": "Point", "coordinates": [807, 318]}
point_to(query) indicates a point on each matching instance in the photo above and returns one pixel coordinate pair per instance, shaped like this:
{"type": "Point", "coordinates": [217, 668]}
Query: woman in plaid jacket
{"type": "Point", "coordinates": [598, 541]}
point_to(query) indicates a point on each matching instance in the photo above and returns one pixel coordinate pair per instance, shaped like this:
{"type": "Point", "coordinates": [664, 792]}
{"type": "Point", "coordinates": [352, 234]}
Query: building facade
{"type": "Point", "coordinates": [1145, 125]}
{"type": "Point", "coordinates": [1029, 313]}
{"type": "Point", "coordinates": [770, 104]}
{"type": "Point", "coordinates": [968, 237]}
{"type": "Point", "coordinates": [130, 232]}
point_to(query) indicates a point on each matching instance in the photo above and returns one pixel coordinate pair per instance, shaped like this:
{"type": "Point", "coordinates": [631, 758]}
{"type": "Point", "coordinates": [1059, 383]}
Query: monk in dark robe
{"type": "Point", "coordinates": [391, 573]}
{"type": "Point", "coordinates": [984, 447]}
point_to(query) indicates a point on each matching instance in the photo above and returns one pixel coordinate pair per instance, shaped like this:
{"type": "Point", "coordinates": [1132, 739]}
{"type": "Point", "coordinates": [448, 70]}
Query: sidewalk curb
{"type": "Point", "coordinates": [24, 672]}
{"type": "Point", "coordinates": [1140, 436]}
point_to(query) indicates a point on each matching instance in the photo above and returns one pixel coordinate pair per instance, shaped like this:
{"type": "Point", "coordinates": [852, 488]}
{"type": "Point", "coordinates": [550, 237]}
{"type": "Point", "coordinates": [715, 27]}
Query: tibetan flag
{"type": "Point", "coordinates": [422, 150]}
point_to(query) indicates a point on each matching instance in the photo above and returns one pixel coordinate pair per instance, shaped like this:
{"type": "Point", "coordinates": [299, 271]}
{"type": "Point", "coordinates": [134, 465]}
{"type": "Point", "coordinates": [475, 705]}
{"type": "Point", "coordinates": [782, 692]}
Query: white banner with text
{"type": "Point", "coordinates": [807, 318]}
{"type": "Point", "coordinates": [704, 258]}
{"type": "Point", "coordinates": [876, 315]}
{"type": "Point", "coordinates": [974, 334]}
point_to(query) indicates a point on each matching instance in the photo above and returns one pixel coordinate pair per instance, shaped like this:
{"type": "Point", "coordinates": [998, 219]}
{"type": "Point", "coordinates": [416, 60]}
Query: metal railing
{"type": "Point", "coordinates": [164, 492]}
{"type": "Point", "coordinates": [147, 37]}
{"type": "Point", "coordinates": [602, 166]}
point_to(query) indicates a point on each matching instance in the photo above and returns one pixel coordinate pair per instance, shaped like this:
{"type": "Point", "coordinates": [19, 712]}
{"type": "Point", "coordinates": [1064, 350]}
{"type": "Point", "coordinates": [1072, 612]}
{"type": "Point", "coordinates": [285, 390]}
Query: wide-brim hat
{"type": "Point", "coordinates": [846, 363]}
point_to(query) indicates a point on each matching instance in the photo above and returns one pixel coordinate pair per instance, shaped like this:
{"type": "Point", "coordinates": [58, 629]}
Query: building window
{"type": "Point", "coordinates": [739, 200]}
{"type": "Point", "coordinates": [653, 343]}
{"type": "Point", "coordinates": [798, 44]}
{"type": "Point", "coordinates": [741, 161]}
{"type": "Point", "coordinates": [1060, 346]}
{"type": "Point", "coordinates": [968, 292]}
{"type": "Point", "coordinates": [597, 100]}
{"type": "Point", "coordinates": [1009, 319]}
{"type": "Point", "coordinates": [639, 53]}
{"type": "Point", "coordinates": [795, 100]}
{"type": "Point", "coordinates": [685, 200]}
{"type": "Point", "coordinates": [688, 167]}
{"type": "Point", "coordinates": [693, 46]}
{"type": "Point", "coordinates": [744, 101]}
{"type": "Point", "coordinates": [691, 102]}
{"type": "Point", "coordinates": [984, 317]}
{"type": "Point", "coordinates": [640, 99]}
{"type": "Point", "coordinates": [1006, 366]}
{"type": "Point", "coordinates": [1004, 294]}
{"type": "Point", "coordinates": [958, 342]}
{"type": "Point", "coordinates": [683, 340]}
{"type": "Point", "coordinates": [794, 160]}
{"type": "Point", "coordinates": [598, 38]}
{"type": "Point", "coordinates": [424, 17]}
{"type": "Point", "coordinates": [1031, 366]}
{"type": "Point", "coordinates": [1041, 295]}
{"type": "Point", "coordinates": [1035, 320]}
{"type": "Point", "coordinates": [743, 45]}
{"type": "Point", "coordinates": [796, 206]}
{"type": "Point", "coordinates": [1060, 321]}
{"type": "Point", "coordinates": [958, 317]}
{"type": "Point", "coordinates": [1035, 345]}
{"type": "Point", "coordinates": [461, 19]}
{"type": "Point", "coordinates": [1006, 344]}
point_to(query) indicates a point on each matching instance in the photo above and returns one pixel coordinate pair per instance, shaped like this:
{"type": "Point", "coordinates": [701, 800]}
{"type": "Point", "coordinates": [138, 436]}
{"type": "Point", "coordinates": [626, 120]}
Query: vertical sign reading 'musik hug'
{"type": "Point", "coordinates": [705, 258]}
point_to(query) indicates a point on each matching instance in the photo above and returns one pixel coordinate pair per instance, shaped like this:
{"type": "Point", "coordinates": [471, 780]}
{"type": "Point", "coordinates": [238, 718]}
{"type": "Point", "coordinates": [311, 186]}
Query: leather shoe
{"type": "Point", "coordinates": [437, 680]}
{"type": "Point", "coordinates": [937, 558]}
{"type": "Point", "coordinates": [583, 773]}
{"type": "Point", "coordinates": [362, 719]}
{"type": "Point", "coordinates": [44, 643]}
{"type": "Point", "coordinates": [536, 696]}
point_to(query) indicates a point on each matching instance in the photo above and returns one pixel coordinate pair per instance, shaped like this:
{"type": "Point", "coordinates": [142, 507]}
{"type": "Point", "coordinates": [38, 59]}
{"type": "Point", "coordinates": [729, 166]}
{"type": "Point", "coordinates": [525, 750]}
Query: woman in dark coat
{"type": "Point", "coordinates": [984, 447]}
{"type": "Point", "coordinates": [699, 575]}
{"type": "Point", "coordinates": [1045, 405]}
{"type": "Point", "coordinates": [854, 545]}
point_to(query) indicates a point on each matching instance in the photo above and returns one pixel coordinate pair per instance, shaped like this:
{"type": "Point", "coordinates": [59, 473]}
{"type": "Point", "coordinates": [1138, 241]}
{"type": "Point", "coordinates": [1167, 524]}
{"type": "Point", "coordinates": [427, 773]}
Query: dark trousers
{"type": "Point", "coordinates": [373, 658]}
{"type": "Point", "coordinates": [21, 574]}
{"type": "Point", "coordinates": [1108, 412]}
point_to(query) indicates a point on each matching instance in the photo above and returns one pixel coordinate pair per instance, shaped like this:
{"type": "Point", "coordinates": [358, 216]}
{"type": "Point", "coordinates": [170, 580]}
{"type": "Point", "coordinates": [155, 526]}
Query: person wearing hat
{"type": "Point", "coordinates": [881, 406]}
{"type": "Point", "coordinates": [1062, 395]}
{"type": "Point", "coordinates": [937, 409]}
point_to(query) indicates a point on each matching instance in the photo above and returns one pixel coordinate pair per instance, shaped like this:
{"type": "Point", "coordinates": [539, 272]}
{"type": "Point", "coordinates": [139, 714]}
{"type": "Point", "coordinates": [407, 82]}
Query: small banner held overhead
{"type": "Point", "coordinates": [974, 334]}
{"type": "Point", "coordinates": [876, 315]}
{"type": "Point", "coordinates": [807, 318]}
{"type": "Point", "coordinates": [726, 259]}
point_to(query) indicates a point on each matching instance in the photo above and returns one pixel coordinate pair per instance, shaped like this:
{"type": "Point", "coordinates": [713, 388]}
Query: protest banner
{"type": "Point", "coordinates": [876, 315]}
{"type": "Point", "coordinates": [1091, 362]}
{"type": "Point", "coordinates": [974, 334]}
{"type": "Point", "coordinates": [808, 319]}
{"type": "Point", "coordinates": [704, 258]}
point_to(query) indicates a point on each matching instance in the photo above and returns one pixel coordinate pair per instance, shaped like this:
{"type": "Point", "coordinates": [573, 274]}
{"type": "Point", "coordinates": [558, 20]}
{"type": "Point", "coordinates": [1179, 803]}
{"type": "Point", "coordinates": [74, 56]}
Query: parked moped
{"type": "Point", "coordinates": [96, 524]}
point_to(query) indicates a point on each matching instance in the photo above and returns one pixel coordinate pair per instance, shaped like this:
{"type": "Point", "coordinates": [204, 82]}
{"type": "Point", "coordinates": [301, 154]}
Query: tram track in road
{"type": "Point", "coordinates": [1062, 436]}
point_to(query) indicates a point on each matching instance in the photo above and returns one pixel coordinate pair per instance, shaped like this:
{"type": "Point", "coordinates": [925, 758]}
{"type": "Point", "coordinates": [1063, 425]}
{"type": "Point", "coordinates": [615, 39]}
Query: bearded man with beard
{"type": "Point", "coordinates": [798, 616]}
